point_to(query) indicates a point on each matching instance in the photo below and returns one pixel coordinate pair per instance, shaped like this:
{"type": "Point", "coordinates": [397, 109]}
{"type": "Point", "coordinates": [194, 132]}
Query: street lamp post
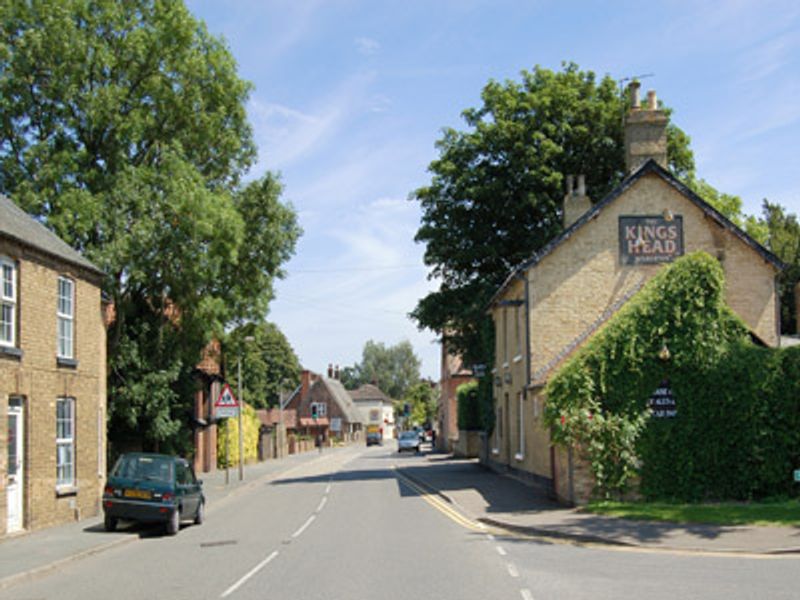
{"type": "Point", "coordinates": [247, 339]}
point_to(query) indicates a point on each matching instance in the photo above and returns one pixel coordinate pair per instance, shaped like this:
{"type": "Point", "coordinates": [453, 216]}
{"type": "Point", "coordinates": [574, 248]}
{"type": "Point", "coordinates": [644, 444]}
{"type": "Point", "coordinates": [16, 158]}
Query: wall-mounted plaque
{"type": "Point", "coordinates": [662, 403]}
{"type": "Point", "coordinates": [647, 240]}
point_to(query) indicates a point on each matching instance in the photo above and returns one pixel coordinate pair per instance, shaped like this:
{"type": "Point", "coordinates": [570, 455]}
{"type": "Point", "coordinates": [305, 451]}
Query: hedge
{"type": "Point", "coordinates": [230, 428]}
{"type": "Point", "coordinates": [469, 407]}
{"type": "Point", "coordinates": [736, 435]}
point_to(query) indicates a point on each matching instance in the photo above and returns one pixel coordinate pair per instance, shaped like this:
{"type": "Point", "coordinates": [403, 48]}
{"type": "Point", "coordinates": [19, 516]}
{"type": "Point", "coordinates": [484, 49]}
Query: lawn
{"type": "Point", "coordinates": [785, 512]}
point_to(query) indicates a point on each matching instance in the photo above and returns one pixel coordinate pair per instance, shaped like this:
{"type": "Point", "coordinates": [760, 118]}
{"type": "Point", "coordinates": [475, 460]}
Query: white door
{"type": "Point", "coordinates": [15, 463]}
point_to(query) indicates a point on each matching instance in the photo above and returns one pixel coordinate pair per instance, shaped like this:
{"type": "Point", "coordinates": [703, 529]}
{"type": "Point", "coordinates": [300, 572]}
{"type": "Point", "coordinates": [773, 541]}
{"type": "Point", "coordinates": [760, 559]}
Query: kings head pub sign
{"type": "Point", "coordinates": [650, 239]}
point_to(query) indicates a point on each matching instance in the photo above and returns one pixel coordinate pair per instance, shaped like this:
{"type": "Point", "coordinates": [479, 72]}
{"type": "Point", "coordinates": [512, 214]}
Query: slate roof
{"type": "Point", "coordinates": [19, 226]}
{"type": "Point", "coordinates": [343, 399]}
{"type": "Point", "coordinates": [369, 392]}
{"type": "Point", "coordinates": [653, 167]}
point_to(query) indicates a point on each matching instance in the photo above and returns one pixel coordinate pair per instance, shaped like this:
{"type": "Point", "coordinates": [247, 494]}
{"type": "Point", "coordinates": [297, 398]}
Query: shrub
{"type": "Point", "coordinates": [469, 407]}
{"type": "Point", "coordinates": [231, 428]}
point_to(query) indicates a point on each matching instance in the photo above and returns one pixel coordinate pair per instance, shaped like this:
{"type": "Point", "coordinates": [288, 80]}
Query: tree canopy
{"type": "Point", "coordinates": [496, 190]}
{"type": "Point", "coordinates": [394, 369]}
{"type": "Point", "coordinates": [123, 128]}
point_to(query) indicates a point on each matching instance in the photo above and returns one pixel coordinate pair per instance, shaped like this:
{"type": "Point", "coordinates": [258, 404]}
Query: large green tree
{"type": "Point", "coordinates": [496, 190]}
{"type": "Point", "coordinates": [123, 128]}
{"type": "Point", "coordinates": [394, 369]}
{"type": "Point", "coordinates": [268, 362]}
{"type": "Point", "coordinates": [784, 240]}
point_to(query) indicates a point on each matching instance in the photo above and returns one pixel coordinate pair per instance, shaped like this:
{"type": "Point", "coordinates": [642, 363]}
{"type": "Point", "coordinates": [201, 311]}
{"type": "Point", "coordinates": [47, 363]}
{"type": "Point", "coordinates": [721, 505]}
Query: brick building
{"type": "Point", "coordinates": [554, 302]}
{"type": "Point", "coordinates": [52, 378]}
{"type": "Point", "coordinates": [323, 406]}
{"type": "Point", "coordinates": [454, 374]}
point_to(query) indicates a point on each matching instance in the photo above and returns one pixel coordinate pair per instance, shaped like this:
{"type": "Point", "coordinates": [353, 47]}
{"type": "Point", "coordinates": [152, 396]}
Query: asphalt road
{"type": "Point", "coordinates": [346, 526]}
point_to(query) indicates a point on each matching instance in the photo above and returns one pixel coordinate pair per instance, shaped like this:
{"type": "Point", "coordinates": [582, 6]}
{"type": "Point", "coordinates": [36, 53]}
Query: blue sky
{"type": "Point", "coordinates": [351, 95]}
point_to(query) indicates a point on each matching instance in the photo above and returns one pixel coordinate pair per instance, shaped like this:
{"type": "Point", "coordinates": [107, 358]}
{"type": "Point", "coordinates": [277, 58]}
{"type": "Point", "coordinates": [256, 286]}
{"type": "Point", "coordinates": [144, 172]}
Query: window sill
{"type": "Point", "coordinates": [519, 457]}
{"type": "Point", "coordinates": [67, 363]}
{"type": "Point", "coordinates": [66, 490]}
{"type": "Point", "coordinates": [495, 451]}
{"type": "Point", "coordinates": [518, 358]}
{"type": "Point", "coordinates": [505, 365]}
{"type": "Point", "coordinates": [11, 352]}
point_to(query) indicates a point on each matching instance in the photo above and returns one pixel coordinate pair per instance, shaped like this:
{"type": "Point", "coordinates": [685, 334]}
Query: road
{"type": "Point", "coordinates": [346, 526]}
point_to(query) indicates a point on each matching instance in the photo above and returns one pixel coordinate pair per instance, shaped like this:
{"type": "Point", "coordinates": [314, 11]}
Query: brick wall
{"type": "Point", "coordinates": [38, 379]}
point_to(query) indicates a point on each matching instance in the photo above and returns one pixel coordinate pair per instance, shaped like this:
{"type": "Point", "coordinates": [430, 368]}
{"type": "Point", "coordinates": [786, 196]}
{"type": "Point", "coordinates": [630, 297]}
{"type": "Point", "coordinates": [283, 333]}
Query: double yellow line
{"type": "Point", "coordinates": [440, 505]}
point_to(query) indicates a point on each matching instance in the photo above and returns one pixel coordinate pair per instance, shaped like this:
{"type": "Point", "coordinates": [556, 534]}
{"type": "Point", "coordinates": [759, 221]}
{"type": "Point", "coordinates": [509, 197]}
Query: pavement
{"type": "Point", "coordinates": [500, 501]}
{"type": "Point", "coordinates": [517, 507]}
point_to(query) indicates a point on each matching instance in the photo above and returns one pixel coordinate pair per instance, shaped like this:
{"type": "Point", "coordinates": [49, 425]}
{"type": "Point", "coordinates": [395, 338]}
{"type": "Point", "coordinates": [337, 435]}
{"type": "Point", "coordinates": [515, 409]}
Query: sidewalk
{"type": "Point", "coordinates": [506, 503]}
{"type": "Point", "coordinates": [30, 554]}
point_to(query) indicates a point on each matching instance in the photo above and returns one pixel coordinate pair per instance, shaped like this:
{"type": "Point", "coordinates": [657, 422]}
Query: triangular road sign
{"type": "Point", "coordinates": [226, 398]}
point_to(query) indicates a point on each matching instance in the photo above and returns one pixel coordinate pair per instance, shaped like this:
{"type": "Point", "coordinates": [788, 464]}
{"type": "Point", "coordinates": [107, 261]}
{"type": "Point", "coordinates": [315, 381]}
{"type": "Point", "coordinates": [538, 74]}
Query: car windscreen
{"type": "Point", "coordinates": [150, 468]}
{"type": "Point", "coordinates": [408, 435]}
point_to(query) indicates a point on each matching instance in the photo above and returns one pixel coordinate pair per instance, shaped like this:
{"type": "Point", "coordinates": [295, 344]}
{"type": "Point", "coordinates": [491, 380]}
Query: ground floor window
{"type": "Point", "coordinates": [65, 442]}
{"type": "Point", "coordinates": [521, 421]}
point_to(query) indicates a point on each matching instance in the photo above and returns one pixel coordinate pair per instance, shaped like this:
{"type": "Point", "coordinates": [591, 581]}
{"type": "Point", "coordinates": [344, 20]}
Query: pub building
{"type": "Point", "coordinates": [550, 305]}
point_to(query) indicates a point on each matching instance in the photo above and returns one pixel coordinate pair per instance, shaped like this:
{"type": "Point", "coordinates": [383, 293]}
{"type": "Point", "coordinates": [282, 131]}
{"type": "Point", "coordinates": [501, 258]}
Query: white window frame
{"type": "Point", "coordinates": [521, 416]}
{"type": "Point", "coordinates": [65, 443]}
{"type": "Point", "coordinates": [8, 301]}
{"type": "Point", "coordinates": [322, 409]}
{"type": "Point", "coordinates": [65, 312]}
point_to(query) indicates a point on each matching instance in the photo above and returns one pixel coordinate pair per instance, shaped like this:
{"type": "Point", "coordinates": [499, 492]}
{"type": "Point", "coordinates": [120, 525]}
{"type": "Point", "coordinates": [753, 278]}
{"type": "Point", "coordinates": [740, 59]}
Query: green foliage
{"type": "Point", "coordinates": [230, 432]}
{"type": "Point", "coordinates": [469, 407]}
{"type": "Point", "coordinates": [503, 180]}
{"type": "Point", "coordinates": [269, 364]}
{"type": "Point", "coordinates": [784, 241]}
{"type": "Point", "coordinates": [731, 207]}
{"type": "Point", "coordinates": [422, 398]}
{"type": "Point", "coordinates": [123, 129]}
{"type": "Point", "coordinates": [394, 369]}
{"type": "Point", "coordinates": [598, 401]}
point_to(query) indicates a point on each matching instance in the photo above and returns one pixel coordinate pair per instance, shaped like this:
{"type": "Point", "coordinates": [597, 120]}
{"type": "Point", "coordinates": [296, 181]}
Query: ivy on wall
{"type": "Point", "coordinates": [736, 430]}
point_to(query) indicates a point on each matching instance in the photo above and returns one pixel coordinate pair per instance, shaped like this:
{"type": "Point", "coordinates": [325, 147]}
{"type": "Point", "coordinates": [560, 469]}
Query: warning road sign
{"type": "Point", "coordinates": [226, 405]}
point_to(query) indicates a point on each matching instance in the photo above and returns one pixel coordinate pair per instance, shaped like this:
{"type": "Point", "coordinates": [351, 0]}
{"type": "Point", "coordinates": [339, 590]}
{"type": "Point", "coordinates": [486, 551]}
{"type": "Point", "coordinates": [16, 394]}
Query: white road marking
{"type": "Point", "coordinates": [526, 594]}
{"type": "Point", "coordinates": [490, 537]}
{"type": "Point", "coordinates": [512, 570]}
{"type": "Point", "coordinates": [305, 525]}
{"type": "Point", "coordinates": [322, 504]}
{"type": "Point", "coordinates": [328, 489]}
{"type": "Point", "coordinates": [501, 551]}
{"type": "Point", "coordinates": [255, 570]}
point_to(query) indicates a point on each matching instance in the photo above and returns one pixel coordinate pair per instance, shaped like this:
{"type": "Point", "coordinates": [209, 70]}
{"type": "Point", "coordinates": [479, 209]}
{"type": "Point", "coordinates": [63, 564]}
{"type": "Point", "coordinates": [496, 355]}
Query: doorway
{"type": "Point", "coordinates": [16, 463]}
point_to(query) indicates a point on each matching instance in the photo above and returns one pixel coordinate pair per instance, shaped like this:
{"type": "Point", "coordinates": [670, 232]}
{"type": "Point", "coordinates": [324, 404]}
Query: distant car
{"type": "Point", "coordinates": [374, 437]}
{"type": "Point", "coordinates": [153, 488]}
{"type": "Point", "coordinates": [408, 440]}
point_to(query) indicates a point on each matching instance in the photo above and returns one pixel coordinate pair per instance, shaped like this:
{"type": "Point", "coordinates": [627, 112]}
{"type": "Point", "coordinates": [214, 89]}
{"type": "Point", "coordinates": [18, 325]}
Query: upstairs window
{"type": "Point", "coordinates": [66, 317]}
{"type": "Point", "coordinates": [8, 302]}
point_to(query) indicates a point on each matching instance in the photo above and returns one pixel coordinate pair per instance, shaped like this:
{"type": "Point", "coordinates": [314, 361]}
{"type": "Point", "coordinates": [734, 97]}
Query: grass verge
{"type": "Point", "coordinates": [784, 512]}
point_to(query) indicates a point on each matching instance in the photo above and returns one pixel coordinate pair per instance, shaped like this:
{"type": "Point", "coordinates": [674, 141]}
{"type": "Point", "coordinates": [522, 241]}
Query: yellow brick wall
{"type": "Point", "coordinates": [39, 380]}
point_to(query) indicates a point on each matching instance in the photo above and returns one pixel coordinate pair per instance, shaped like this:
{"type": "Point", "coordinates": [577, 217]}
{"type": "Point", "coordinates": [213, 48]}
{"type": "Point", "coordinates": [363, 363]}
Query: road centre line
{"type": "Point", "coordinates": [304, 527]}
{"type": "Point", "coordinates": [322, 504]}
{"type": "Point", "coordinates": [526, 594]}
{"type": "Point", "coordinates": [512, 570]}
{"type": "Point", "coordinates": [252, 572]}
{"type": "Point", "coordinates": [501, 551]}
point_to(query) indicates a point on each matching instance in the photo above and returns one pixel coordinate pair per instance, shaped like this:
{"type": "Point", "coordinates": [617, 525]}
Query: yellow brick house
{"type": "Point", "coordinates": [554, 302]}
{"type": "Point", "coordinates": [52, 378]}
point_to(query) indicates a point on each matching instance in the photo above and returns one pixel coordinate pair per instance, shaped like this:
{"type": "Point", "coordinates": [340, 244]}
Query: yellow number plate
{"type": "Point", "coordinates": [142, 494]}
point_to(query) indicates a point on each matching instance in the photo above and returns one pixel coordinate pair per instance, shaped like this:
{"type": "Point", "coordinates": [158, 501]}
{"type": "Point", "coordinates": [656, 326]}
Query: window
{"type": "Point", "coordinates": [8, 302]}
{"type": "Point", "coordinates": [505, 337]}
{"type": "Point", "coordinates": [65, 442]}
{"type": "Point", "coordinates": [320, 409]}
{"type": "Point", "coordinates": [66, 312]}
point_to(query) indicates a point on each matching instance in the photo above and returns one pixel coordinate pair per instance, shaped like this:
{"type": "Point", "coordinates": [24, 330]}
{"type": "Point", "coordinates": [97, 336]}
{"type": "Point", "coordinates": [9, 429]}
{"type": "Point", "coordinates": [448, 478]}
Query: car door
{"type": "Point", "coordinates": [187, 488]}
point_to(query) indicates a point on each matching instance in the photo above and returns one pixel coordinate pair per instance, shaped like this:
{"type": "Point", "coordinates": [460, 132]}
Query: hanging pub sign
{"type": "Point", "coordinates": [662, 403]}
{"type": "Point", "coordinates": [651, 239]}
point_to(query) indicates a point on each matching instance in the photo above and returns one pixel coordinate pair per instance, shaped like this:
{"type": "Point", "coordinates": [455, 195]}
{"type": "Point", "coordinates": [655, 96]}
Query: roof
{"type": "Point", "coordinates": [19, 226]}
{"type": "Point", "coordinates": [650, 167]}
{"type": "Point", "coordinates": [343, 399]}
{"type": "Point", "coordinates": [369, 392]}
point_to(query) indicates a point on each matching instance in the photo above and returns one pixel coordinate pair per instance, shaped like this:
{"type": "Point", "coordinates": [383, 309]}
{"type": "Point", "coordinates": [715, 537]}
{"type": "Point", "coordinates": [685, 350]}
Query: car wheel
{"type": "Point", "coordinates": [174, 523]}
{"type": "Point", "coordinates": [200, 516]}
{"type": "Point", "coordinates": [110, 523]}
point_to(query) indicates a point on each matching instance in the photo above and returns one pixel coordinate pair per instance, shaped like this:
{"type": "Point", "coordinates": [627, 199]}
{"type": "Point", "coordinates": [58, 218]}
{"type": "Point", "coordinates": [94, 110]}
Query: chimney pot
{"type": "Point", "coordinates": [336, 372]}
{"type": "Point", "coordinates": [633, 88]}
{"type": "Point", "coordinates": [330, 370]}
{"type": "Point", "coordinates": [581, 185]}
{"type": "Point", "coordinates": [652, 101]}
{"type": "Point", "coordinates": [570, 184]}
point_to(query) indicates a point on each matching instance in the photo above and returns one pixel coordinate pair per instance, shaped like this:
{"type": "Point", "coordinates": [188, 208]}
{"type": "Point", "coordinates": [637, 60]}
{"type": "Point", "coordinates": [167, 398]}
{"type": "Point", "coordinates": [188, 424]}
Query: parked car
{"type": "Point", "coordinates": [153, 488]}
{"type": "Point", "coordinates": [408, 440]}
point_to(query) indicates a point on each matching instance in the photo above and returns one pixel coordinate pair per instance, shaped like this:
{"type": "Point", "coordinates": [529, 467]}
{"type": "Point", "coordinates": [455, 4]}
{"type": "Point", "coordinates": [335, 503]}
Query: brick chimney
{"type": "Point", "coordinates": [336, 372]}
{"type": "Point", "coordinates": [645, 131]}
{"type": "Point", "coordinates": [576, 202]}
{"type": "Point", "coordinates": [305, 383]}
{"type": "Point", "coordinates": [330, 370]}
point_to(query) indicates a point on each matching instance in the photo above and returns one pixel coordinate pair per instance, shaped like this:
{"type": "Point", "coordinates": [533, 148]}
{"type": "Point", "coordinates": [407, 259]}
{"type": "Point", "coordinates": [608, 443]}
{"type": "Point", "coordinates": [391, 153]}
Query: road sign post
{"type": "Point", "coordinates": [225, 407]}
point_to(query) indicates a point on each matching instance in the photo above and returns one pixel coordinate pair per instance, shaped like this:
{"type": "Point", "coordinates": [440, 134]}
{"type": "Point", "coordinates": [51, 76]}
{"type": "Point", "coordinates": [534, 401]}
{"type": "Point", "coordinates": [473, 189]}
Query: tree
{"type": "Point", "coordinates": [784, 241]}
{"type": "Point", "coordinates": [421, 397]}
{"type": "Point", "coordinates": [269, 364]}
{"type": "Point", "coordinates": [393, 369]}
{"type": "Point", "coordinates": [496, 189]}
{"type": "Point", "coordinates": [123, 129]}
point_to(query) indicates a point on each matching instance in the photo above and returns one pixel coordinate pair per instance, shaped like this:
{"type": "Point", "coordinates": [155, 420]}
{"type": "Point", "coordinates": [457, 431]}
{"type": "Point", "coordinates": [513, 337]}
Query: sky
{"type": "Point", "coordinates": [350, 97]}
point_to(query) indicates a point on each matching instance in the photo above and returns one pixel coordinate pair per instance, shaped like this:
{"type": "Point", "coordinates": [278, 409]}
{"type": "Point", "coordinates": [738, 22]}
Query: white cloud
{"type": "Point", "coordinates": [367, 46]}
